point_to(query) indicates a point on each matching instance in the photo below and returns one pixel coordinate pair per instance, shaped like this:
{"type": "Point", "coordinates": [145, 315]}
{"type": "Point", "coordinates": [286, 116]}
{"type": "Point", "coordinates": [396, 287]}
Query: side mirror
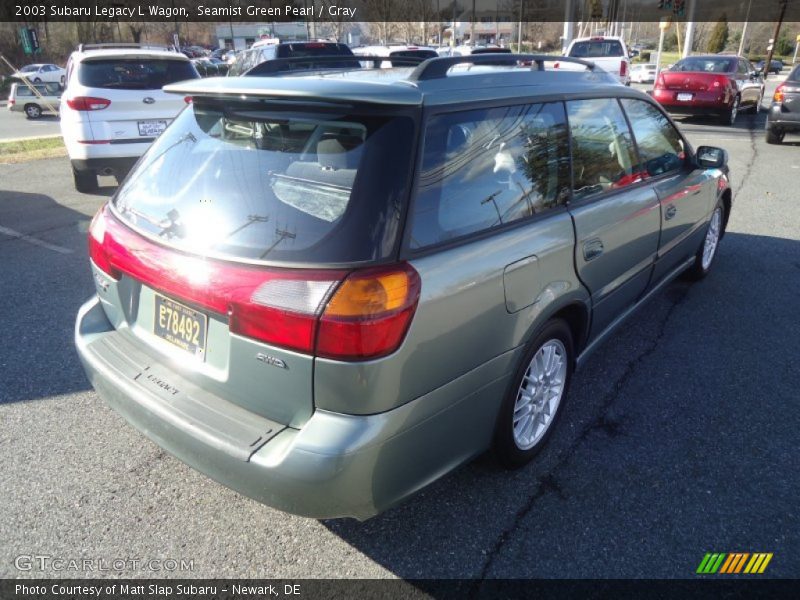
{"type": "Point", "coordinates": [711, 157]}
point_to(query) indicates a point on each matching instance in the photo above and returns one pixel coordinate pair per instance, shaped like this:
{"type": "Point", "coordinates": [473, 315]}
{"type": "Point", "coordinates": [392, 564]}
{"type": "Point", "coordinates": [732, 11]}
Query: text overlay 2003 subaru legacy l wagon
{"type": "Point", "coordinates": [326, 291]}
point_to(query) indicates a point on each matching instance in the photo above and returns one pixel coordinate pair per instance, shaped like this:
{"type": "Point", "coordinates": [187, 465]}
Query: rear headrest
{"type": "Point", "coordinates": [333, 154]}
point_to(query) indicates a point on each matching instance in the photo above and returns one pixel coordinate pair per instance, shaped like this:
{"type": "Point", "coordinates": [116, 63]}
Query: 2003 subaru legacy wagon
{"type": "Point", "coordinates": [326, 291]}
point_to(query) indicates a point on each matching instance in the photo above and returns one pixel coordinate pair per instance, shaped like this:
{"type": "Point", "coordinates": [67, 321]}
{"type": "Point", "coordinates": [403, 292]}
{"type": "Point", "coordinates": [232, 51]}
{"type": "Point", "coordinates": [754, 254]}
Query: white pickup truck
{"type": "Point", "coordinates": [606, 52]}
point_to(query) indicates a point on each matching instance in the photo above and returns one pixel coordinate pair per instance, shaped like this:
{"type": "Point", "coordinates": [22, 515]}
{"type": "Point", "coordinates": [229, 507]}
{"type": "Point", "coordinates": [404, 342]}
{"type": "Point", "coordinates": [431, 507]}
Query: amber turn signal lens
{"type": "Point", "coordinates": [365, 296]}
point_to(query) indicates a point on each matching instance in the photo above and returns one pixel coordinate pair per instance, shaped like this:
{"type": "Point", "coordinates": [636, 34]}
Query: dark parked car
{"type": "Point", "coordinates": [775, 66]}
{"type": "Point", "coordinates": [262, 52]}
{"type": "Point", "coordinates": [714, 84]}
{"type": "Point", "coordinates": [389, 274]}
{"type": "Point", "coordinates": [784, 112]}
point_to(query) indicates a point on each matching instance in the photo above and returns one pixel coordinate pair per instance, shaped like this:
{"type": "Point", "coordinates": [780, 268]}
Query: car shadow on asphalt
{"type": "Point", "coordinates": [44, 269]}
{"type": "Point", "coordinates": [653, 425]}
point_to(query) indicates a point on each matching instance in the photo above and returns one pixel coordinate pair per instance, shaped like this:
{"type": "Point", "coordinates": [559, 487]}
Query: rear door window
{"type": "Point", "coordinates": [134, 73]}
{"type": "Point", "coordinates": [482, 169]}
{"type": "Point", "coordinates": [603, 156]}
{"type": "Point", "coordinates": [660, 145]}
{"type": "Point", "coordinates": [596, 49]}
{"type": "Point", "coordinates": [236, 180]}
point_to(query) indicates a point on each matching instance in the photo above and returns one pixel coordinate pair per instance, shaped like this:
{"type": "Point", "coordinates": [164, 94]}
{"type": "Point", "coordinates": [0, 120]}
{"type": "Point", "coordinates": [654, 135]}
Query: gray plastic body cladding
{"type": "Point", "coordinates": [462, 321]}
{"type": "Point", "coordinates": [336, 465]}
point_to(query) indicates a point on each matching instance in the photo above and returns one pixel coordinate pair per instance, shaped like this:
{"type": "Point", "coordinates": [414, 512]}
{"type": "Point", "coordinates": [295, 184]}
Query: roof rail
{"type": "Point", "coordinates": [282, 65]}
{"type": "Point", "coordinates": [437, 68]}
{"type": "Point", "coordinates": [83, 47]}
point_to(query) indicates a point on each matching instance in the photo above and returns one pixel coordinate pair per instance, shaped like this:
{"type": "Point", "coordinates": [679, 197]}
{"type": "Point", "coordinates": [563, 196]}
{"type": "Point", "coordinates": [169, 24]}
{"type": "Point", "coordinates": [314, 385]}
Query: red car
{"type": "Point", "coordinates": [710, 85]}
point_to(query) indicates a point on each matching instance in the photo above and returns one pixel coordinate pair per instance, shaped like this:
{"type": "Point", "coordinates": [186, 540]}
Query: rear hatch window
{"type": "Point", "coordinates": [313, 49]}
{"type": "Point", "coordinates": [134, 73]}
{"type": "Point", "coordinates": [596, 49]}
{"type": "Point", "coordinates": [263, 182]}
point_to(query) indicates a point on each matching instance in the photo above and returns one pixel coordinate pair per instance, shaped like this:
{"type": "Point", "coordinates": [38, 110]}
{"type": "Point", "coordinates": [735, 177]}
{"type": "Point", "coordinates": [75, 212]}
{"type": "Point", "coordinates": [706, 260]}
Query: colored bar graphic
{"type": "Point", "coordinates": [733, 563]}
{"type": "Point", "coordinates": [765, 563]}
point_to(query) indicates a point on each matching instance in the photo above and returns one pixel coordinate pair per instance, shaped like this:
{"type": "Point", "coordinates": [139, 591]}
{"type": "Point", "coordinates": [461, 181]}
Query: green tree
{"type": "Point", "coordinates": [784, 46]}
{"type": "Point", "coordinates": [719, 36]}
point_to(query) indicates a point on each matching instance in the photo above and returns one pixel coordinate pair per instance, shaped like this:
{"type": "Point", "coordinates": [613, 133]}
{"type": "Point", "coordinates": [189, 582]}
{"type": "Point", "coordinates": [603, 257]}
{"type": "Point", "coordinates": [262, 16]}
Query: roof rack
{"type": "Point", "coordinates": [437, 68]}
{"type": "Point", "coordinates": [282, 65]}
{"type": "Point", "coordinates": [83, 47]}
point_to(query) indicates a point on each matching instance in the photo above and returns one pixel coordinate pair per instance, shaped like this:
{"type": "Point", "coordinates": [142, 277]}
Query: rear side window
{"type": "Point", "coordinates": [602, 148]}
{"type": "Point", "coordinates": [243, 181]}
{"type": "Point", "coordinates": [485, 168]}
{"type": "Point", "coordinates": [660, 145]}
{"type": "Point", "coordinates": [134, 73]}
{"type": "Point", "coordinates": [596, 49]}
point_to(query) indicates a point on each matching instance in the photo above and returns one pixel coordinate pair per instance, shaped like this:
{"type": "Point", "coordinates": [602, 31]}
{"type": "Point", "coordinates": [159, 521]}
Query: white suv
{"type": "Point", "coordinates": [607, 52]}
{"type": "Point", "coordinates": [113, 106]}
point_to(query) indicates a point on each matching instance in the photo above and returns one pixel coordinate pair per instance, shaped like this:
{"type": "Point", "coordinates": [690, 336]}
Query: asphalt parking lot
{"type": "Point", "coordinates": [679, 436]}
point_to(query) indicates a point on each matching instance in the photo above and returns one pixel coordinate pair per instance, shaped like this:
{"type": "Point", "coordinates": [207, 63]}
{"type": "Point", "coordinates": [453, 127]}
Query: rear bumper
{"type": "Point", "coordinates": [778, 118]}
{"type": "Point", "coordinates": [702, 103]}
{"type": "Point", "coordinates": [337, 465]}
{"type": "Point", "coordinates": [105, 166]}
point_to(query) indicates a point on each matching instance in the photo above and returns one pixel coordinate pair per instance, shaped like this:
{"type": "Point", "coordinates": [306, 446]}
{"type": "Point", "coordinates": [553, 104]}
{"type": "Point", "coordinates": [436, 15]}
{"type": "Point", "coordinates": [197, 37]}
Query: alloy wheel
{"type": "Point", "coordinates": [540, 394]}
{"type": "Point", "coordinates": [712, 238]}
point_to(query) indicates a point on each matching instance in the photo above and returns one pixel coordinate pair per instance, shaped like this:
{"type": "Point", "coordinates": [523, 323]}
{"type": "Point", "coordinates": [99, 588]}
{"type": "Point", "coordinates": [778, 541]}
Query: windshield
{"type": "Point", "coordinates": [596, 49]}
{"type": "Point", "coordinates": [134, 73]}
{"type": "Point", "coordinates": [708, 65]}
{"type": "Point", "coordinates": [251, 182]}
{"type": "Point", "coordinates": [794, 75]}
{"type": "Point", "coordinates": [312, 49]}
{"type": "Point", "coordinates": [30, 68]}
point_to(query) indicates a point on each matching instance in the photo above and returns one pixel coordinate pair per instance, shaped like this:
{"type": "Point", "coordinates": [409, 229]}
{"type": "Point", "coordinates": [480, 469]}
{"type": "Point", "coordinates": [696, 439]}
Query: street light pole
{"type": "Point", "coordinates": [744, 29]}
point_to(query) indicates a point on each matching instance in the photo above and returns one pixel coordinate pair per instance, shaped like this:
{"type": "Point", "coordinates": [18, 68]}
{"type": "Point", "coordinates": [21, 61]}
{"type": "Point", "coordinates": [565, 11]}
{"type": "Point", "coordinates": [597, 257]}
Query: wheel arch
{"type": "Point", "coordinates": [727, 203]}
{"type": "Point", "coordinates": [574, 310]}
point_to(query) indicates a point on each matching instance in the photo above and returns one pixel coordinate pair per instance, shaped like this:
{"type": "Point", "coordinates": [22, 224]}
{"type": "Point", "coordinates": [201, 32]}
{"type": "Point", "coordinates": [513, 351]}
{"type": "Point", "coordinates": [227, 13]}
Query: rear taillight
{"type": "Point", "coordinates": [84, 103]}
{"type": "Point", "coordinates": [97, 248]}
{"type": "Point", "coordinates": [369, 314]}
{"type": "Point", "coordinates": [779, 96]}
{"type": "Point", "coordinates": [556, 65]}
{"type": "Point", "coordinates": [187, 99]}
{"type": "Point", "coordinates": [660, 83]}
{"type": "Point", "coordinates": [331, 313]}
{"type": "Point", "coordinates": [12, 102]}
{"type": "Point", "coordinates": [623, 68]}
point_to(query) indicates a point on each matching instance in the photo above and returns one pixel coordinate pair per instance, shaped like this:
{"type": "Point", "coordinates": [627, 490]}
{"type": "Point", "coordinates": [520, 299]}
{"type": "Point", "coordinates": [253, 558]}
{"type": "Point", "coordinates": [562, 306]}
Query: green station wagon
{"type": "Point", "coordinates": [328, 290]}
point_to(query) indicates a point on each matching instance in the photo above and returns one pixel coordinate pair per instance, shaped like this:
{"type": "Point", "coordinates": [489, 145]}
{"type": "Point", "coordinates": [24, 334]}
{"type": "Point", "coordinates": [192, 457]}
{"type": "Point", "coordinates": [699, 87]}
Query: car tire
{"type": "Point", "coordinates": [37, 80]}
{"type": "Point", "coordinates": [774, 137]}
{"type": "Point", "coordinates": [704, 259]}
{"type": "Point", "coordinates": [85, 181]}
{"type": "Point", "coordinates": [32, 111]}
{"type": "Point", "coordinates": [729, 116]}
{"type": "Point", "coordinates": [549, 358]}
{"type": "Point", "coordinates": [757, 107]}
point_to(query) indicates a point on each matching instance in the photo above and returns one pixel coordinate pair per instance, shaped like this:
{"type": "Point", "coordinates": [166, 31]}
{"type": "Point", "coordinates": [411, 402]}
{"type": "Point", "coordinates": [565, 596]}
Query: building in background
{"type": "Point", "coordinates": [240, 36]}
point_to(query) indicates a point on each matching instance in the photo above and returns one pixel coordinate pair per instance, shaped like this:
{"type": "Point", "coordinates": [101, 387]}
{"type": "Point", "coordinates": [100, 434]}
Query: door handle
{"type": "Point", "coordinates": [592, 248]}
{"type": "Point", "coordinates": [671, 212]}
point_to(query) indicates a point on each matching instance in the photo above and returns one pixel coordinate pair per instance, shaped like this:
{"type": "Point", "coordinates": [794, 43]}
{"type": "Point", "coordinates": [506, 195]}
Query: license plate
{"type": "Point", "coordinates": [180, 325]}
{"type": "Point", "coordinates": [151, 128]}
{"type": "Point", "coordinates": [684, 97]}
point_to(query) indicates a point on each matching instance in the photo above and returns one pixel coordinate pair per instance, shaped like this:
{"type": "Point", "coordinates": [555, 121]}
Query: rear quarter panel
{"type": "Point", "coordinates": [464, 325]}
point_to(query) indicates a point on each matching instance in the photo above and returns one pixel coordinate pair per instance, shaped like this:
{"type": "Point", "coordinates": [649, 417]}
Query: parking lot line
{"type": "Point", "coordinates": [35, 241]}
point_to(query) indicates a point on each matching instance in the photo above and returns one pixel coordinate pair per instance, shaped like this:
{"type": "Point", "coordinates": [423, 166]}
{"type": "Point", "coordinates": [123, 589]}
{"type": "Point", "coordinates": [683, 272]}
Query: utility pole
{"type": "Point", "coordinates": [768, 61]}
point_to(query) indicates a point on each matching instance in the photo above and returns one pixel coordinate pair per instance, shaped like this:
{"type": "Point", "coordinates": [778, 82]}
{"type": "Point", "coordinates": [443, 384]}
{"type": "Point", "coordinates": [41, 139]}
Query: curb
{"type": "Point", "coordinates": [32, 137]}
